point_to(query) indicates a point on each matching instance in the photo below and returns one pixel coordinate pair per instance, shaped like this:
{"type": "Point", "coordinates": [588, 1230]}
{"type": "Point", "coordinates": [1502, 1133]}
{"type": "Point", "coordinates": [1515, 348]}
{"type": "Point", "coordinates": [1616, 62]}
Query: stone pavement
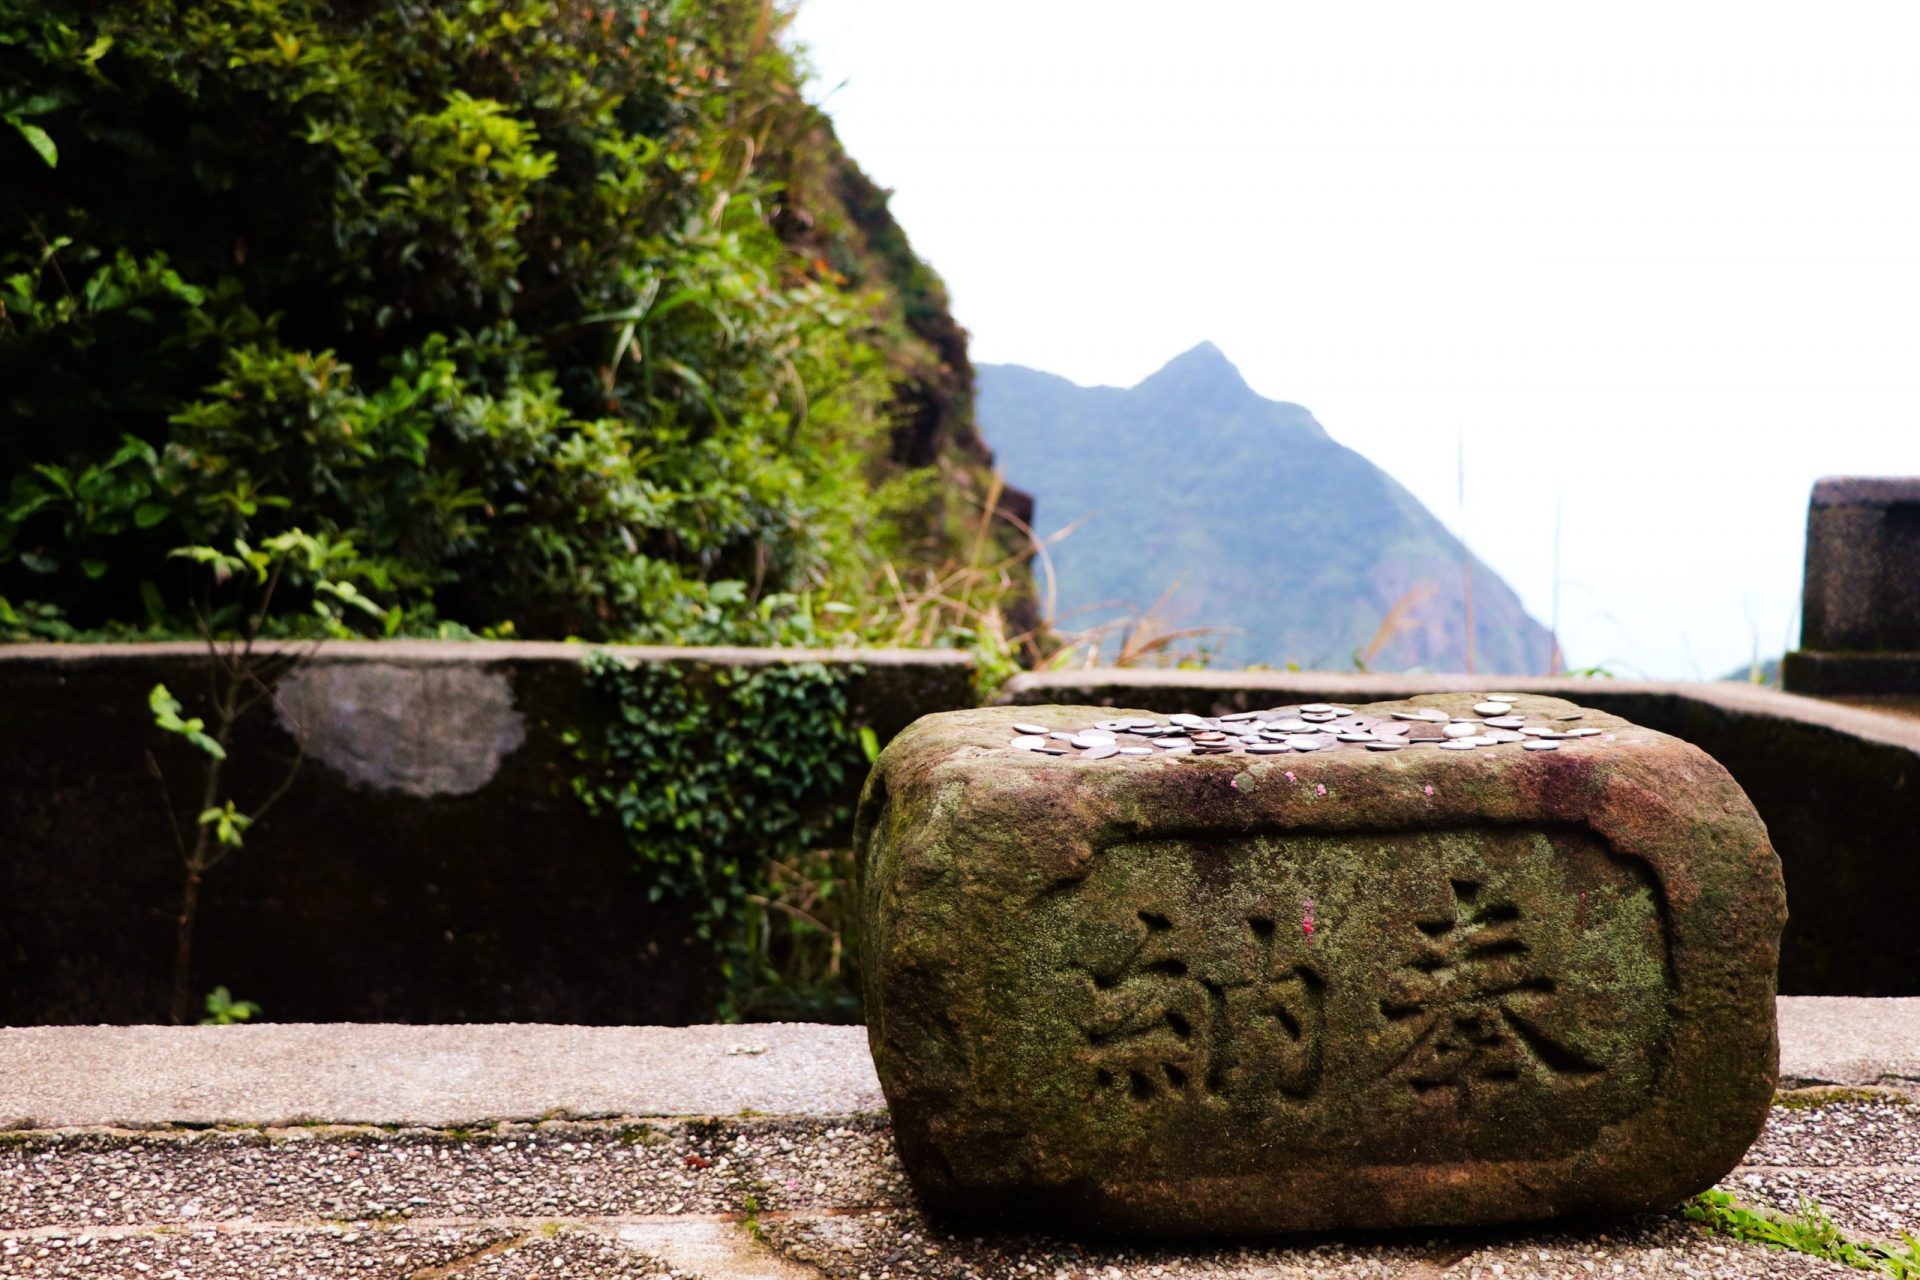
{"type": "Point", "coordinates": [753, 1151]}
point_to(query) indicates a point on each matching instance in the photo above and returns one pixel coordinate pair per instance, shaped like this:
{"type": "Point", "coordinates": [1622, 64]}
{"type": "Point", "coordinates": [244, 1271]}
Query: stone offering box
{"type": "Point", "coordinates": [1178, 993]}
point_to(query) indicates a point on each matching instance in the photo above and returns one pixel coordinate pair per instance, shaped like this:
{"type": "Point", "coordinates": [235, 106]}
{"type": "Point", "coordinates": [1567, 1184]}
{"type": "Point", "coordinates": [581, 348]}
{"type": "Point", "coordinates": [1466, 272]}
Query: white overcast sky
{"type": "Point", "coordinates": [1654, 262]}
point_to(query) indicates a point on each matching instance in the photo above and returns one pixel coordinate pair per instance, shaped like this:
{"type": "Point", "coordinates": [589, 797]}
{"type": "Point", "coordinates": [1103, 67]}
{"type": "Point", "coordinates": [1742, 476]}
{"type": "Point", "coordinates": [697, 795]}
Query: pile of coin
{"type": "Point", "coordinates": [1314, 726]}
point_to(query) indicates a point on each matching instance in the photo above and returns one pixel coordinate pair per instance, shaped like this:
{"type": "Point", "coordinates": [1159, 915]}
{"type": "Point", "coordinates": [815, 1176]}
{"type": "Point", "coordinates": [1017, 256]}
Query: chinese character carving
{"type": "Point", "coordinates": [1224, 1012]}
{"type": "Point", "coordinates": [1473, 995]}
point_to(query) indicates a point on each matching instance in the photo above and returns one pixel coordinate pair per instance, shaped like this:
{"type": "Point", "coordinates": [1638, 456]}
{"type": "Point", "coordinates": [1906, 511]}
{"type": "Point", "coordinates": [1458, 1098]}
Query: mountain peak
{"type": "Point", "coordinates": [1204, 363]}
{"type": "Point", "coordinates": [1202, 378]}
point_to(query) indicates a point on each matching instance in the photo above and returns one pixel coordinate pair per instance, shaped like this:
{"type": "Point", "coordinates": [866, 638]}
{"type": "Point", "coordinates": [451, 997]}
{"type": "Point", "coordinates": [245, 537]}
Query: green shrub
{"type": "Point", "coordinates": [496, 292]}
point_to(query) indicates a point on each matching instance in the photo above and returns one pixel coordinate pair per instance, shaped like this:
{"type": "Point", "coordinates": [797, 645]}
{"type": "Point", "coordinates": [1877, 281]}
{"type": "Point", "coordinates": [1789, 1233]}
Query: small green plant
{"type": "Point", "coordinates": [1810, 1232]}
{"type": "Point", "coordinates": [224, 1011]}
{"type": "Point", "coordinates": [242, 589]}
{"type": "Point", "coordinates": [734, 789]}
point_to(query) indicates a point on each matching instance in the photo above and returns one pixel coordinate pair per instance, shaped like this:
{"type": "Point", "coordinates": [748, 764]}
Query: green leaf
{"type": "Point", "coordinates": [94, 568]}
{"type": "Point", "coordinates": [38, 139]}
{"type": "Point", "coordinates": [869, 743]}
{"type": "Point", "coordinates": [229, 825]}
{"type": "Point", "coordinates": [149, 514]}
{"type": "Point", "coordinates": [166, 716]}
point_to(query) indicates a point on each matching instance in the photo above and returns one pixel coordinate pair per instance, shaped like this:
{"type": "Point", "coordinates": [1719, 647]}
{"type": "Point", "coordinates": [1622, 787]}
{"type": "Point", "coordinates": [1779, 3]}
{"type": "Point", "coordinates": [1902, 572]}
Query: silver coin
{"type": "Point", "coordinates": [1392, 729]}
{"type": "Point", "coordinates": [1187, 720]}
{"type": "Point", "coordinates": [1354, 735]}
{"type": "Point", "coordinates": [1503, 735]}
{"type": "Point", "coordinates": [1319, 717]}
{"type": "Point", "coordinates": [1059, 735]}
{"type": "Point", "coordinates": [1100, 752]}
{"type": "Point", "coordinates": [1432, 717]}
{"type": "Point", "coordinates": [1306, 742]}
{"type": "Point", "coordinates": [1239, 715]}
{"type": "Point", "coordinates": [1031, 742]}
{"type": "Point", "coordinates": [1051, 751]}
{"type": "Point", "coordinates": [1110, 726]}
{"type": "Point", "coordinates": [1505, 722]}
{"type": "Point", "coordinates": [1503, 697]}
{"type": "Point", "coordinates": [1173, 744]}
{"type": "Point", "coordinates": [1386, 744]}
{"type": "Point", "coordinates": [1040, 729]}
{"type": "Point", "coordinates": [1459, 744]}
{"type": "Point", "coordinates": [1093, 738]}
{"type": "Point", "coordinates": [1572, 715]}
{"type": "Point", "coordinates": [1319, 707]}
{"type": "Point", "coordinates": [1291, 726]}
{"type": "Point", "coordinates": [1540, 744]}
{"type": "Point", "coordinates": [1493, 708]}
{"type": "Point", "coordinates": [1136, 751]}
{"type": "Point", "coordinates": [1136, 722]}
{"type": "Point", "coordinates": [1460, 730]}
{"type": "Point", "coordinates": [1583, 733]}
{"type": "Point", "coordinates": [1269, 749]}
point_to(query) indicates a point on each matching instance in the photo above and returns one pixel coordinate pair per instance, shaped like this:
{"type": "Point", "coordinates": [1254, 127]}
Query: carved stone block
{"type": "Point", "coordinates": [1179, 993]}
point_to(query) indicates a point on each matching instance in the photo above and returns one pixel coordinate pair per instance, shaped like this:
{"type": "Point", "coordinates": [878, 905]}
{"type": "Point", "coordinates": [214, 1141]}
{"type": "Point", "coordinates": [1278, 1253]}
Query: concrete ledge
{"type": "Point", "coordinates": [1838, 786]}
{"type": "Point", "coordinates": [443, 1077]}
{"type": "Point", "coordinates": [1201, 691]}
{"type": "Point", "coordinates": [484, 652]}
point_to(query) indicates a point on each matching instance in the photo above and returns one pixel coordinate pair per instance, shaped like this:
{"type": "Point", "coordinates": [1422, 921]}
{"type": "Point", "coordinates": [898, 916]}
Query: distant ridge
{"type": "Point", "coordinates": [1264, 522]}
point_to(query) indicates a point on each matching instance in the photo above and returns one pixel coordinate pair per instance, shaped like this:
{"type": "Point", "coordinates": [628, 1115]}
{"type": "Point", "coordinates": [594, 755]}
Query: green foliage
{"type": "Point", "coordinates": [224, 1011]}
{"type": "Point", "coordinates": [1810, 1231]}
{"type": "Point", "coordinates": [167, 719]}
{"type": "Point", "coordinates": [495, 294]}
{"type": "Point", "coordinates": [730, 785]}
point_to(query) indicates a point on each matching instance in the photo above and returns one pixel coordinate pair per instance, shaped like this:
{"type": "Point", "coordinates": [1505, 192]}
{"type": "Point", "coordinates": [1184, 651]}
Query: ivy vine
{"type": "Point", "coordinates": [734, 787]}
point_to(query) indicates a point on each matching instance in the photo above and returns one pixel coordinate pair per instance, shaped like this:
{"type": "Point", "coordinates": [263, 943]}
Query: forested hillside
{"type": "Point", "coordinates": [540, 318]}
{"type": "Point", "coordinates": [1296, 547]}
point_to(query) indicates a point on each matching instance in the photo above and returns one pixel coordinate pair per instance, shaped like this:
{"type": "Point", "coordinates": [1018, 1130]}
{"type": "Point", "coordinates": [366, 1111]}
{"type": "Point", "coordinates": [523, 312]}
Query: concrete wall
{"type": "Point", "coordinates": [1838, 787]}
{"type": "Point", "coordinates": [427, 864]}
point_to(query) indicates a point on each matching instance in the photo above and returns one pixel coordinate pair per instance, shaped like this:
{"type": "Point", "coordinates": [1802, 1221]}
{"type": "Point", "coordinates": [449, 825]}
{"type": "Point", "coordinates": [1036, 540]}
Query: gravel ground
{"type": "Point", "coordinates": [775, 1198]}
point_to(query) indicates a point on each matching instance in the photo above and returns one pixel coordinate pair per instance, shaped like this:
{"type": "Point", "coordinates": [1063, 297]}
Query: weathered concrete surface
{"type": "Point", "coordinates": [1829, 1040]}
{"type": "Point", "coordinates": [1838, 786]}
{"type": "Point", "coordinates": [774, 1198]}
{"type": "Point", "coordinates": [1327, 991]}
{"type": "Point", "coordinates": [148, 1077]}
{"type": "Point", "coordinates": [422, 730]}
{"type": "Point", "coordinates": [638, 1197]}
{"type": "Point", "coordinates": [429, 864]}
{"type": "Point", "coordinates": [444, 1076]}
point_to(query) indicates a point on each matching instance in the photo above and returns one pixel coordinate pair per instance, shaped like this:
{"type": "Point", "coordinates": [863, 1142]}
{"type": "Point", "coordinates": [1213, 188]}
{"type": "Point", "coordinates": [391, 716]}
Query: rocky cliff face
{"type": "Point", "coordinates": [1251, 515]}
